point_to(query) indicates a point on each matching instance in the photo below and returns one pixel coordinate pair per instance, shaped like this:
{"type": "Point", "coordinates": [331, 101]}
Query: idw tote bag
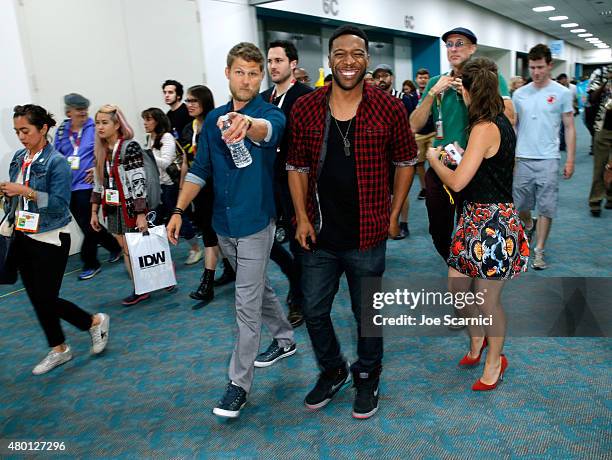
{"type": "Point", "coordinates": [151, 261]}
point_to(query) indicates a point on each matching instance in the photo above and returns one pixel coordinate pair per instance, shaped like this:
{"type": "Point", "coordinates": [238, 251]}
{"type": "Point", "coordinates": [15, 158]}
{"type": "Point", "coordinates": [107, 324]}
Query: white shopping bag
{"type": "Point", "coordinates": [151, 260]}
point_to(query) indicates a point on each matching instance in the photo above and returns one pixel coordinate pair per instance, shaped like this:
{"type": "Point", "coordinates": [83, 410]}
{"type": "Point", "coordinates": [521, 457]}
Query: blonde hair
{"type": "Point", "coordinates": [101, 145]}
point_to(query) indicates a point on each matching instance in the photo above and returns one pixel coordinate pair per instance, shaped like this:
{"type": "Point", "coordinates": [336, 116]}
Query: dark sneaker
{"type": "Point", "coordinates": [295, 316]}
{"type": "Point", "coordinates": [134, 298]}
{"type": "Point", "coordinates": [114, 257]}
{"type": "Point", "coordinates": [366, 395]}
{"type": "Point", "coordinates": [233, 400]}
{"type": "Point", "coordinates": [421, 195]}
{"type": "Point", "coordinates": [273, 354]}
{"type": "Point", "coordinates": [329, 383]}
{"type": "Point", "coordinates": [89, 273]}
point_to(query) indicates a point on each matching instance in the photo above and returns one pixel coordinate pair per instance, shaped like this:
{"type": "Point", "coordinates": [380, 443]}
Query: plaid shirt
{"type": "Point", "coordinates": [382, 137]}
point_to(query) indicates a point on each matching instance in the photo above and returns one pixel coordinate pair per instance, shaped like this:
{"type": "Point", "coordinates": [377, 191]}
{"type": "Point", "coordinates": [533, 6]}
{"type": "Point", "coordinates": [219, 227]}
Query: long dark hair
{"type": "Point", "coordinates": [480, 79]}
{"type": "Point", "coordinates": [204, 97]}
{"type": "Point", "coordinates": [162, 124]}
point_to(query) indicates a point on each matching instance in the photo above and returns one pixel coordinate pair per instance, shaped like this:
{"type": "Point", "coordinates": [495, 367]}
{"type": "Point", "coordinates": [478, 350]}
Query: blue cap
{"type": "Point", "coordinates": [467, 33]}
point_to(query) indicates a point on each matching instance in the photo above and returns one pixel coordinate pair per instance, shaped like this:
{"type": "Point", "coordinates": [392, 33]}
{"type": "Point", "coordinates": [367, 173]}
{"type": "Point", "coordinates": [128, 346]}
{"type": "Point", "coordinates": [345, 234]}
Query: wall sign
{"type": "Point", "coordinates": [331, 7]}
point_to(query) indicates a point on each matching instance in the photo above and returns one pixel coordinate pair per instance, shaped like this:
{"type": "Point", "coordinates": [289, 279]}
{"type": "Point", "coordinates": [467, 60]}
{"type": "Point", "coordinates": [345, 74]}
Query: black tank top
{"type": "Point", "coordinates": [492, 183]}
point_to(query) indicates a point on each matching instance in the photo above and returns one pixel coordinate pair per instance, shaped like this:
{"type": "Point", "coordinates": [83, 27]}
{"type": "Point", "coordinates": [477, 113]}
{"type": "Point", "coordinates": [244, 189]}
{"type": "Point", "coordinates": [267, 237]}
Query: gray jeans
{"type": "Point", "coordinates": [256, 301]}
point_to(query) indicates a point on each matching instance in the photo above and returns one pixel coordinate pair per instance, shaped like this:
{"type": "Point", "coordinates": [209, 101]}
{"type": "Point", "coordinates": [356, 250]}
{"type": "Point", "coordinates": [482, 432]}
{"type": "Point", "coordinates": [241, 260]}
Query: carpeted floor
{"type": "Point", "coordinates": [151, 393]}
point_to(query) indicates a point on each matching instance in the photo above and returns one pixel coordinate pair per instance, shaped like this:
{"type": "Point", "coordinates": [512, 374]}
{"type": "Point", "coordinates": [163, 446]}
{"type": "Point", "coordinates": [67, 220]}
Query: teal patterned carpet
{"type": "Point", "coordinates": [151, 393]}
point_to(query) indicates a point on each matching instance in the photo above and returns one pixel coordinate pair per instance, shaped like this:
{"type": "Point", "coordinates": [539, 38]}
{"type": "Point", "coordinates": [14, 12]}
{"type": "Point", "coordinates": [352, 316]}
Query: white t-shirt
{"type": "Point", "coordinates": [540, 112]}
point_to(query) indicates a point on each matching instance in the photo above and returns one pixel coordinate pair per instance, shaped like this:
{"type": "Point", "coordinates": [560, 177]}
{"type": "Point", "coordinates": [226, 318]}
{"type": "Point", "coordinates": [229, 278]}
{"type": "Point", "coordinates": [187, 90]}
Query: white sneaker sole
{"type": "Point", "coordinates": [261, 364]}
{"type": "Point", "coordinates": [228, 413]}
{"type": "Point", "coordinates": [366, 415]}
{"type": "Point", "coordinates": [325, 402]}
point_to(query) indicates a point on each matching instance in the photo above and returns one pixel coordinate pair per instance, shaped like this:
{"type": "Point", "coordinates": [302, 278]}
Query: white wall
{"type": "Point", "coordinates": [14, 81]}
{"type": "Point", "coordinates": [402, 65]}
{"type": "Point", "coordinates": [117, 51]}
{"type": "Point", "coordinates": [597, 56]}
{"type": "Point", "coordinates": [222, 25]}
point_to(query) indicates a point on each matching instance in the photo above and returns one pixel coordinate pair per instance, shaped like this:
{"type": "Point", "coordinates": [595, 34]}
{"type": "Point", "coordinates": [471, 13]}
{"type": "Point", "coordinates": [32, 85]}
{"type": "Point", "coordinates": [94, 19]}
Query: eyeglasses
{"type": "Point", "coordinates": [191, 101]}
{"type": "Point", "coordinates": [457, 44]}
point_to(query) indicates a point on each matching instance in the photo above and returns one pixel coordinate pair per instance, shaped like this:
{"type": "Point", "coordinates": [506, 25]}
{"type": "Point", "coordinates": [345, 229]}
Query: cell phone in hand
{"type": "Point", "coordinates": [452, 152]}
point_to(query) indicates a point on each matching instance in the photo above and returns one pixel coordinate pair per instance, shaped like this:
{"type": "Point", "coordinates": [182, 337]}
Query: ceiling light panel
{"type": "Point", "coordinates": [558, 18]}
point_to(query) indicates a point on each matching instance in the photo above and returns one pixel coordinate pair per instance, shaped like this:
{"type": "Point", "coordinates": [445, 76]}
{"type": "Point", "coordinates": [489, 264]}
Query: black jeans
{"type": "Point", "coordinates": [169, 197]}
{"type": "Point", "coordinates": [441, 212]}
{"type": "Point", "coordinates": [41, 266]}
{"type": "Point", "coordinates": [290, 263]}
{"type": "Point", "coordinates": [80, 207]}
{"type": "Point", "coordinates": [321, 272]}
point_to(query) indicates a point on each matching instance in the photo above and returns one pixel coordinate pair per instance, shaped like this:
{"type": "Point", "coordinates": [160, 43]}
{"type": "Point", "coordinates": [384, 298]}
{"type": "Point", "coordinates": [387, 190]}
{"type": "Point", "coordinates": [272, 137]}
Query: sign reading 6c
{"type": "Point", "coordinates": [331, 6]}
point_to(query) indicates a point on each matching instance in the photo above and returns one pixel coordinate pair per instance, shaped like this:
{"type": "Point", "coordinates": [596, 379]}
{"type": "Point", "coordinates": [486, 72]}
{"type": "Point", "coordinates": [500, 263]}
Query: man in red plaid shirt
{"type": "Point", "coordinates": [343, 140]}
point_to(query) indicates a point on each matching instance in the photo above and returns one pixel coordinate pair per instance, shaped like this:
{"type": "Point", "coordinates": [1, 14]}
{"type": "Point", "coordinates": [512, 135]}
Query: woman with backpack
{"type": "Point", "coordinates": [162, 144]}
{"type": "Point", "coordinates": [119, 182]}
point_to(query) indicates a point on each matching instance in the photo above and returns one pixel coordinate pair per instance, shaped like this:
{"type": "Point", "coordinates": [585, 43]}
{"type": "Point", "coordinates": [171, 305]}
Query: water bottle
{"type": "Point", "coordinates": [240, 154]}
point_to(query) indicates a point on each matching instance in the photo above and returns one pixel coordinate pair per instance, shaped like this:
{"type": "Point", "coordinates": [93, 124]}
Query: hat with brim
{"type": "Point", "coordinates": [467, 33]}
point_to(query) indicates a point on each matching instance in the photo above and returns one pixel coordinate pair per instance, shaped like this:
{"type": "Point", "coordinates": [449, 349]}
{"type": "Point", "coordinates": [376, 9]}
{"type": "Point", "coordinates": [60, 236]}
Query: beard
{"type": "Point", "coordinates": [358, 80]}
{"type": "Point", "coordinates": [244, 95]}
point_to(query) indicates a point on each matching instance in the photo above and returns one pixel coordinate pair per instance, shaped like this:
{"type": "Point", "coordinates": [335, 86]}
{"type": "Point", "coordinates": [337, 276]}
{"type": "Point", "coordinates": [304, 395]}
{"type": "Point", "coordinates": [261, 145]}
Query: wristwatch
{"type": "Point", "coordinates": [249, 121]}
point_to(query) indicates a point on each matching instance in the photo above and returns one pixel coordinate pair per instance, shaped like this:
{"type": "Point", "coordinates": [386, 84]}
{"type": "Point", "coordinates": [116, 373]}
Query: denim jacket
{"type": "Point", "coordinates": [50, 177]}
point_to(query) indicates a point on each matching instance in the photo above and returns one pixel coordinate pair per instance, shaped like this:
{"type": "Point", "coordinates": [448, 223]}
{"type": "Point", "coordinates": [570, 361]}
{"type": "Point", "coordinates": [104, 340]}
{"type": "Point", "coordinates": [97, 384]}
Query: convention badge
{"type": "Point", "coordinates": [439, 130]}
{"type": "Point", "coordinates": [111, 197]}
{"type": "Point", "coordinates": [27, 221]}
{"type": "Point", "coordinates": [74, 162]}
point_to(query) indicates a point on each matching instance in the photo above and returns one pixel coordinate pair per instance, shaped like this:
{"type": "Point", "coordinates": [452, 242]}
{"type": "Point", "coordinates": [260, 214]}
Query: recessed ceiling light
{"type": "Point", "coordinates": [569, 24]}
{"type": "Point", "coordinates": [539, 9]}
{"type": "Point", "coordinates": [585, 35]}
{"type": "Point", "coordinates": [577, 31]}
{"type": "Point", "coordinates": [558, 18]}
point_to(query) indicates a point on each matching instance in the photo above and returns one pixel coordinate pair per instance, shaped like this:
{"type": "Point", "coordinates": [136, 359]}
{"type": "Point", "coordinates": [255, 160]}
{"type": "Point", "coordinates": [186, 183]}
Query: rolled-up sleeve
{"type": "Point", "coordinates": [275, 119]}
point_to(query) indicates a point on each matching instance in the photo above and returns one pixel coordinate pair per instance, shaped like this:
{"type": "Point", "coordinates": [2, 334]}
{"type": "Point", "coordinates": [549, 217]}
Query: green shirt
{"type": "Point", "coordinates": [454, 112]}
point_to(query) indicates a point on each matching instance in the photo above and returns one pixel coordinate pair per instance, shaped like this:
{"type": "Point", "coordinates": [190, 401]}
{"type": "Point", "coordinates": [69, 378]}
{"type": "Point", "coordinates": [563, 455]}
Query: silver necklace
{"type": "Point", "coordinates": [347, 143]}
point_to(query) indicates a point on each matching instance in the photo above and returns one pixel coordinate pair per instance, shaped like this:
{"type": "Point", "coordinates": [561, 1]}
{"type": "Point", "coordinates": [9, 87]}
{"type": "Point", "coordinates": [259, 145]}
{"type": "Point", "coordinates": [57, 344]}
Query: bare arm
{"type": "Point", "coordinates": [419, 116]}
{"type": "Point", "coordinates": [509, 111]}
{"type": "Point", "coordinates": [484, 140]}
{"type": "Point", "coordinates": [298, 185]}
{"type": "Point", "coordinates": [570, 142]}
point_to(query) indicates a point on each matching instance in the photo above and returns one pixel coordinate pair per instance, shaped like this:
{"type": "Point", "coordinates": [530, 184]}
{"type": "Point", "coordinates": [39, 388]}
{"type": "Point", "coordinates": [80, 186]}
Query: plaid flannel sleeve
{"type": "Point", "coordinates": [403, 145]}
{"type": "Point", "coordinates": [296, 156]}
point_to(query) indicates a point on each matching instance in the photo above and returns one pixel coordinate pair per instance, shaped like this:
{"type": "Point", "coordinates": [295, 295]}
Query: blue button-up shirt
{"type": "Point", "coordinates": [244, 197]}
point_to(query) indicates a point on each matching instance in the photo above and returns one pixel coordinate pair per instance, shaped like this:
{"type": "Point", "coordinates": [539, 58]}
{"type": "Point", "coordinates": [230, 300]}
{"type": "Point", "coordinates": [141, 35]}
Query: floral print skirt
{"type": "Point", "coordinates": [489, 242]}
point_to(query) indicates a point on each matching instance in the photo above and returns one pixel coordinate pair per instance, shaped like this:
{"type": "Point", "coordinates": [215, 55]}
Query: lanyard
{"type": "Point", "coordinates": [111, 180]}
{"type": "Point", "coordinates": [25, 172]}
{"type": "Point", "coordinates": [273, 95]}
{"type": "Point", "coordinates": [75, 144]}
{"type": "Point", "coordinates": [439, 105]}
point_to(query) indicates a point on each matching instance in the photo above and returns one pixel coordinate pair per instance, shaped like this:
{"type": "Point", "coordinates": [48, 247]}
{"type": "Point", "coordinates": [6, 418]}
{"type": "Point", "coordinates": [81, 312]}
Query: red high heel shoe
{"type": "Point", "coordinates": [467, 361]}
{"type": "Point", "coordinates": [479, 386]}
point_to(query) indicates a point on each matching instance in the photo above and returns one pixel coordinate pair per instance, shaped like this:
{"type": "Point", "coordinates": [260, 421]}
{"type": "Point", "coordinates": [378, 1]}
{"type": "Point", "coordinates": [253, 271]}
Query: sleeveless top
{"type": "Point", "coordinates": [492, 183]}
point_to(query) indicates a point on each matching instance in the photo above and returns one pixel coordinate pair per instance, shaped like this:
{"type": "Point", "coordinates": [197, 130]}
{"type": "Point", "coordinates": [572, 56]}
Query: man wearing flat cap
{"type": "Point", "coordinates": [75, 140]}
{"type": "Point", "coordinates": [442, 98]}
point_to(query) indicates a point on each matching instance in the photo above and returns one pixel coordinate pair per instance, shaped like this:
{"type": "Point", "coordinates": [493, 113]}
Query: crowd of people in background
{"type": "Point", "coordinates": [332, 168]}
